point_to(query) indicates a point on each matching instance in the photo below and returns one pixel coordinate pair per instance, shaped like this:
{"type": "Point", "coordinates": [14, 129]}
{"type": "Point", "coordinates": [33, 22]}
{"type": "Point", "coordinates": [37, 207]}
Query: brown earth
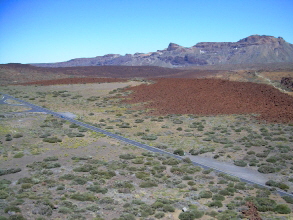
{"type": "Point", "coordinates": [74, 81]}
{"type": "Point", "coordinates": [214, 97]}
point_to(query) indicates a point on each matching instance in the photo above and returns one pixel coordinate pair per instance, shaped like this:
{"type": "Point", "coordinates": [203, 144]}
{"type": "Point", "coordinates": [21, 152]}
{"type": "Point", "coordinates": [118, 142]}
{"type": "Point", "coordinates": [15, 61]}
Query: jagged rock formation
{"type": "Point", "coordinates": [253, 49]}
{"type": "Point", "coordinates": [287, 82]}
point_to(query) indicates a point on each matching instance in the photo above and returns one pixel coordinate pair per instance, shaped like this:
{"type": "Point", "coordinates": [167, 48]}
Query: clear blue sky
{"type": "Point", "coordinates": [40, 31]}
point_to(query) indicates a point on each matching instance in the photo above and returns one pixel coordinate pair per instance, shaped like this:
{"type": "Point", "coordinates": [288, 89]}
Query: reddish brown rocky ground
{"type": "Point", "coordinates": [214, 97]}
{"type": "Point", "coordinates": [74, 81]}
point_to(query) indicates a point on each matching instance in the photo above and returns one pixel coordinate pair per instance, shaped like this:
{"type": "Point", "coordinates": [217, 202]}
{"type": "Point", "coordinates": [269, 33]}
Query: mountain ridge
{"type": "Point", "coordinates": [252, 49]}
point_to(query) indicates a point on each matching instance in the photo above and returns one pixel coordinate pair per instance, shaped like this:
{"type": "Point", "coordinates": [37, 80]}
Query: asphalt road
{"type": "Point", "coordinates": [129, 141]}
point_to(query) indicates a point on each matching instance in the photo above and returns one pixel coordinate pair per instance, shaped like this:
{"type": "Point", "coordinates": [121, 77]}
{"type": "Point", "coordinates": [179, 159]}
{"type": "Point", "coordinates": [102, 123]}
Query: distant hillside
{"type": "Point", "coordinates": [260, 49]}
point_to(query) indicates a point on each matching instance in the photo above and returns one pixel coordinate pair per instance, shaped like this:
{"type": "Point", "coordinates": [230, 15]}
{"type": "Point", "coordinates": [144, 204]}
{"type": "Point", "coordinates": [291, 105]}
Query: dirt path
{"type": "Point", "coordinates": [242, 172]}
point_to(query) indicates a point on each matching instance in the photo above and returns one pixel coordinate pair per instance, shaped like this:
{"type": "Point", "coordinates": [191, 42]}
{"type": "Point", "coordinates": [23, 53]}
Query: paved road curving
{"type": "Point", "coordinates": [244, 174]}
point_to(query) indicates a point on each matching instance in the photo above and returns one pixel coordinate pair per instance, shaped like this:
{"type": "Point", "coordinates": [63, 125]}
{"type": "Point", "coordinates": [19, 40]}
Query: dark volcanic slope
{"type": "Point", "coordinates": [74, 81]}
{"type": "Point", "coordinates": [214, 97]}
{"type": "Point", "coordinates": [253, 49]}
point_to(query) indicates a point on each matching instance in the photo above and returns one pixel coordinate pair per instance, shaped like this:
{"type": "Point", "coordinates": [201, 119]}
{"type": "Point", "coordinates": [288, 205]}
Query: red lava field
{"type": "Point", "coordinates": [74, 81]}
{"type": "Point", "coordinates": [214, 97]}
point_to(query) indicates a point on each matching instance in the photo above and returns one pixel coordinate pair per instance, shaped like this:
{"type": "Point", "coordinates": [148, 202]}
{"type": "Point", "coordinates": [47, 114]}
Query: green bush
{"type": "Point", "coordinates": [273, 183]}
{"type": "Point", "coordinates": [84, 168]}
{"type": "Point", "coordinates": [83, 197]}
{"type": "Point", "coordinates": [265, 204]}
{"type": "Point", "coordinates": [52, 158]}
{"type": "Point", "coordinates": [288, 199]}
{"type": "Point", "coordinates": [282, 209]}
{"type": "Point", "coordinates": [127, 156]}
{"type": "Point", "coordinates": [150, 137]}
{"type": "Point", "coordinates": [215, 203]}
{"type": "Point", "coordinates": [52, 140]}
{"type": "Point", "coordinates": [18, 155]}
{"type": "Point", "coordinates": [97, 189]}
{"type": "Point", "coordinates": [171, 161]}
{"type": "Point", "coordinates": [148, 184]}
{"type": "Point", "coordinates": [159, 215]}
{"type": "Point", "coordinates": [190, 215]}
{"type": "Point", "coordinates": [205, 194]}
{"type": "Point", "coordinates": [18, 135]}
{"type": "Point", "coordinates": [218, 197]}
{"type": "Point", "coordinates": [138, 160]}
{"type": "Point", "coordinates": [168, 208]}
{"type": "Point", "coordinates": [179, 152]}
{"type": "Point", "coordinates": [106, 200]}
{"type": "Point", "coordinates": [266, 169]}
{"type": "Point", "coordinates": [26, 186]}
{"type": "Point", "coordinates": [67, 177]}
{"type": "Point", "coordinates": [142, 175]}
{"type": "Point", "coordinates": [240, 163]}
{"type": "Point", "coordinates": [9, 171]}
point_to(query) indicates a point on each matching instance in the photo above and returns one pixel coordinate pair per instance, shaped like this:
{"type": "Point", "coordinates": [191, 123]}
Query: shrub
{"type": "Point", "coordinates": [83, 197]}
{"type": "Point", "coordinates": [159, 215]}
{"type": "Point", "coordinates": [9, 171]}
{"type": "Point", "coordinates": [216, 203]}
{"type": "Point", "coordinates": [127, 156]}
{"type": "Point", "coordinates": [171, 161]}
{"type": "Point", "coordinates": [177, 121]}
{"type": "Point", "coordinates": [18, 155]}
{"type": "Point", "coordinates": [288, 199]}
{"type": "Point", "coordinates": [187, 178]}
{"type": "Point", "coordinates": [227, 214]}
{"type": "Point", "coordinates": [240, 163]}
{"type": "Point", "coordinates": [67, 177]}
{"type": "Point", "coordinates": [150, 137]}
{"type": "Point", "coordinates": [84, 168]}
{"type": "Point", "coordinates": [282, 209]}
{"type": "Point", "coordinates": [148, 184]}
{"type": "Point", "coordinates": [12, 209]}
{"type": "Point", "coordinates": [80, 181]}
{"type": "Point", "coordinates": [266, 169]}
{"type": "Point", "coordinates": [26, 186]}
{"type": "Point", "coordinates": [250, 152]}
{"type": "Point", "coordinates": [97, 189]}
{"type": "Point", "coordinates": [218, 197]}
{"type": "Point", "coordinates": [106, 200]}
{"type": "Point", "coordinates": [168, 208]}
{"type": "Point", "coordinates": [265, 204]}
{"type": "Point", "coordinates": [179, 152]}
{"type": "Point", "coordinates": [205, 194]}
{"type": "Point", "coordinates": [190, 215]}
{"type": "Point", "coordinates": [18, 135]}
{"type": "Point", "coordinates": [52, 158]}
{"type": "Point", "coordinates": [138, 161]}
{"type": "Point", "coordinates": [52, 140]}
{"type": "Point", "coordinates": [187, 160]}
{"type": "Point", "coordinates": [142, 175]}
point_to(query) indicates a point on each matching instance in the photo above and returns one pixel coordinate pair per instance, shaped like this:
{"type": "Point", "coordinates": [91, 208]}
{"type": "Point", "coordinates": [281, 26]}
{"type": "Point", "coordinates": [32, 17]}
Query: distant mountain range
{"type": "Point", "coordinates": [253, 49]}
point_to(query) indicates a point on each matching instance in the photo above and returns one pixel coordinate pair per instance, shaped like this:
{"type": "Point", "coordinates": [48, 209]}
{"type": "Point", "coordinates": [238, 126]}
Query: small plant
{"type": "Point", "coordinates": [18, 155]}
{"type": "Point", "coordinates": [179, 152]}
{"type": "Point", "coordinates": [282, 209]}
{"type": "Point", "coordinates": [267, 169]}
{"type": "Point", "coordinates": [83, 197]}
{"type": "Point", "coordinates": [240, 163]}
{"type": "Point", "coordinates": [18, 135]}
{"type": "Point", "coordinates": [148, 184]}
{"type": "Point", "coordinates": [127, 156]}
{"type": "Point", "coordinates": [52, 140]}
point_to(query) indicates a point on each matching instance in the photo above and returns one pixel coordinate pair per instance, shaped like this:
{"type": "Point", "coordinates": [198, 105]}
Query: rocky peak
{"type": "Point", "coordinates": [261, 39]}
{"type": "Point", "coordinates": [173, 46]}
